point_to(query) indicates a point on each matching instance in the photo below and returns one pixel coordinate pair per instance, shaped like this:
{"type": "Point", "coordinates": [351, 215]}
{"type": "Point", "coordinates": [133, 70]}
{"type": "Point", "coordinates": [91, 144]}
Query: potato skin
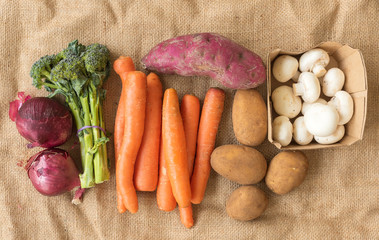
{"type": "Point", "coordinates": [249, 116]}
{"type": "Point", "coordinates": [207, 54]}
{"type": "Point", "coordinates": [246, 203]}
{"type": "Point", "coordinates": [287, 170]}
{"type": "Point", "coordinates": [240, 164]}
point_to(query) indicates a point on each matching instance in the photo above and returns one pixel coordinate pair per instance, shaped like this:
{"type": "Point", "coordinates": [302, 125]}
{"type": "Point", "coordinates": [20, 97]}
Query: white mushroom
{"type": "Point", "coordinates": [300, 132]}
{"type": "Point", "coordinates": [344, 104]}
{"type": "Point", "coordinates": [282, 130]}
{"type": "Point", "coordinates": [306, 106]}
{"type": "Point", "coordinates": [284, 68]}
{"type": "Point", "coordinates": [314, 60]}
{"type": "Point", "coordinates": [308, 87]}
{"type": "Point", "coordinates": [321, 120]}
{"type": "Point", "coordinates": [285, 102]}
{"type": "Point", "coordinates": [332, 82]}
{"type": "Point", "coordinates": [295, 77]}
{"type": "Point", "coordinates": [332, 63]}
{"type": "Point", "coordinates": [335, 137]}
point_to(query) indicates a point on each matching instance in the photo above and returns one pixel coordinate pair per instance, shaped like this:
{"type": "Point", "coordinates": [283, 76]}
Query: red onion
{"type": "Point", "coordinates": [16, 104]}
{"type": "Point", "coordinates": [53, 172]}
{"type": "Point", "coordinates": [43, 121]}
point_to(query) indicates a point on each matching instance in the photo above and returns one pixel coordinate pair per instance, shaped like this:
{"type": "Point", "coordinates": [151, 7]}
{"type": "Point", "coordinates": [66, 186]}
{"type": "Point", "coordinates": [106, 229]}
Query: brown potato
{"type": "Point", "coordinates": [246, 203]}
{"type": "Point", "coordinates": [240, 164]}
{"type": "Point", "coordinates": [286, 171]}
{"type": "Point", "coordinates": [249, 115]}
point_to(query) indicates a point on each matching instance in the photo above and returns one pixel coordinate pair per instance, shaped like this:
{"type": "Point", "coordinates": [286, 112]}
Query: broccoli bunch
{"type": "Point", "coordinates": [79, 72]}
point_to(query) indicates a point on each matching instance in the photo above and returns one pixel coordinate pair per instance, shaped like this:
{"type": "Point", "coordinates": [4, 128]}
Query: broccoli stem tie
{"type": "Point", "coordinates": [98, 142]}
{"type": "Point", "coordinates": [85, 127]}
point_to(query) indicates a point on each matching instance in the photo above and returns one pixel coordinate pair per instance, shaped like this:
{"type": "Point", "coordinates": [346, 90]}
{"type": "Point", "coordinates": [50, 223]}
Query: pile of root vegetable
{"type": "Point", "coordinates": [246, 166]}
{"type": "Point", "coordinates": [159, 145]}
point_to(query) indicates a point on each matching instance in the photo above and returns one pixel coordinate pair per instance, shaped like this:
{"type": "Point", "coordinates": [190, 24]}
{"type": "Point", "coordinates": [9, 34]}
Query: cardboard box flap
{"type": "Point", "coordinates": [356, 125]}
{"type": "Point", "coordinates": [353, 67]}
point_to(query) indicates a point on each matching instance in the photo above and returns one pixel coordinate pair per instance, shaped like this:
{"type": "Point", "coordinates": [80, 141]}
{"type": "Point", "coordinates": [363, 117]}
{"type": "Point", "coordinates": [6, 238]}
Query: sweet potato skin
{"type": "Point", "coordinates": [207, 54]}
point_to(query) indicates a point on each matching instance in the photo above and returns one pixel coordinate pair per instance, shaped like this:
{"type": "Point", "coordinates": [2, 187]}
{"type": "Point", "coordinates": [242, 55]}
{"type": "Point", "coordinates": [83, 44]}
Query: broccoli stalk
{"type": "Point", "coordinates": [78, 72]}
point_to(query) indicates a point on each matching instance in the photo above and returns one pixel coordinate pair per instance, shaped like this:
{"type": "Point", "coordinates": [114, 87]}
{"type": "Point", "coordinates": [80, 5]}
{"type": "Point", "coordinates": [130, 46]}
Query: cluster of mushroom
{"type": "Point", "coordinates": [322, 120]}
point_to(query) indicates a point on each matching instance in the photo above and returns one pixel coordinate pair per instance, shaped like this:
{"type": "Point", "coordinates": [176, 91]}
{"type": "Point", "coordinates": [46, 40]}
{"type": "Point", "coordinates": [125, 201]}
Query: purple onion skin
{"type": "Point", "coordinates": [53, 172]}
{"type": "Point", "coordinates": [44, 122]}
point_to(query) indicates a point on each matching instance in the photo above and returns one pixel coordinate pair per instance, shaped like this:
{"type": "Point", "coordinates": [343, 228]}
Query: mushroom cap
{"type": "Point", "coordinates": [344, 104]}
{"type": "Point", "coordinates": [321, 120]}
{"type": "Point", "coordinates": [284, 68]}
{"type": "Point", "coordinates": [285, 103]}
{"type": "Point", "coordinates": [332, 82]}
{"type": "Point", "coordinates": [308, 87]}
{"type": "Point", "coordinates": [306, 106]}
{"type": "Point", "coordinates": [314, 60]}
{"type": "Point", "coordinates": [282, 130]}
{"type": "Point", "coordinates": [333, 138]}
{"type": "Point", "coordinates": [300, 132]}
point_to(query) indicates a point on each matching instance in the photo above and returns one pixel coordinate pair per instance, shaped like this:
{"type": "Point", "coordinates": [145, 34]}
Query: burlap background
{"type": "Point", "coordinates": [339, 198]}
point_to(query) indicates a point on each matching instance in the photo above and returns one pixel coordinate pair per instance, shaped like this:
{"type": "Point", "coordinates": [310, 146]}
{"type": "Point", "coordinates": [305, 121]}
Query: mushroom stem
{"type": "Point", "coordinates": [298, 89]}
{"type": "Point", "coordinates": [308, 87]}
{"type": "Point", "coordinates": [319, 70]}
{"type": "Point", "coordinates": [314, 60]}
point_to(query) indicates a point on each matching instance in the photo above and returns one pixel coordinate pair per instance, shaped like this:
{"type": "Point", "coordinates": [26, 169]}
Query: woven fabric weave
{"type": "Point", "coordinates": [339, 198]}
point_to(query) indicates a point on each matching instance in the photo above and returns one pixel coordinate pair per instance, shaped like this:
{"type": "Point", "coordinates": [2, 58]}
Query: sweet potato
{"type": "Point", "coordinates": [207, 54]}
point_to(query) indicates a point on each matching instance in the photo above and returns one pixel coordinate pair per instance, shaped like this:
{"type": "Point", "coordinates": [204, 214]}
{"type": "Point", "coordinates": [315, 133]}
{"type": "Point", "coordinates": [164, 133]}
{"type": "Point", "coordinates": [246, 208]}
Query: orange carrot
{"type": "Point", "coordinates": [146, 167]}
{"type": "Point", "coordinates": [121, 65]}
{"type": "Point", "coordinates": [165, 199]}
{"type": "Point", "coordinates": [174, 147]}
{"type": "Point", "coordinates": [186, 216]}
{"type": "Point", "coordinates": [208, 127]}
{"type": "Point", "coordinates": [135, 105]}
{"type": "Point", "coordinates": [190, 111]}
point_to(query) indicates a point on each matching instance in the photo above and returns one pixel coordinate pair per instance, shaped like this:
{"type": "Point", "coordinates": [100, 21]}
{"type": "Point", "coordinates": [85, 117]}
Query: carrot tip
{"type": "Point", "coordinates": [188, 225]}
{"type": "Point", "coordinates": [133, 210]}
{"type": "Point", "coordinates": [196, 201]}
{"type": "Point", "coordinates": [121, 210]}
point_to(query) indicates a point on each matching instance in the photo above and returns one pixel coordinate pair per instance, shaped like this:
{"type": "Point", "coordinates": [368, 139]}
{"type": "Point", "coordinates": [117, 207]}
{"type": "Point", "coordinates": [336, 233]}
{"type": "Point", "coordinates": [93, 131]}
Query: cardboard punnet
{"type": "Point", "coordinates": [351, 62]}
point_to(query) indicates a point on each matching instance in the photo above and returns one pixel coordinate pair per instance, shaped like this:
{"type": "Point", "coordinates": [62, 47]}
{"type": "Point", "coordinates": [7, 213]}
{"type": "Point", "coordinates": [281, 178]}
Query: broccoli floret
{"type": "Point", "coordinates": [71, 71]}
{"type": "Point", "coordinates": [96, 60]}
{"type": "Point", "coordinates": [74, 48]}
{"type": "Point", "coordinates": [41, 70]}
